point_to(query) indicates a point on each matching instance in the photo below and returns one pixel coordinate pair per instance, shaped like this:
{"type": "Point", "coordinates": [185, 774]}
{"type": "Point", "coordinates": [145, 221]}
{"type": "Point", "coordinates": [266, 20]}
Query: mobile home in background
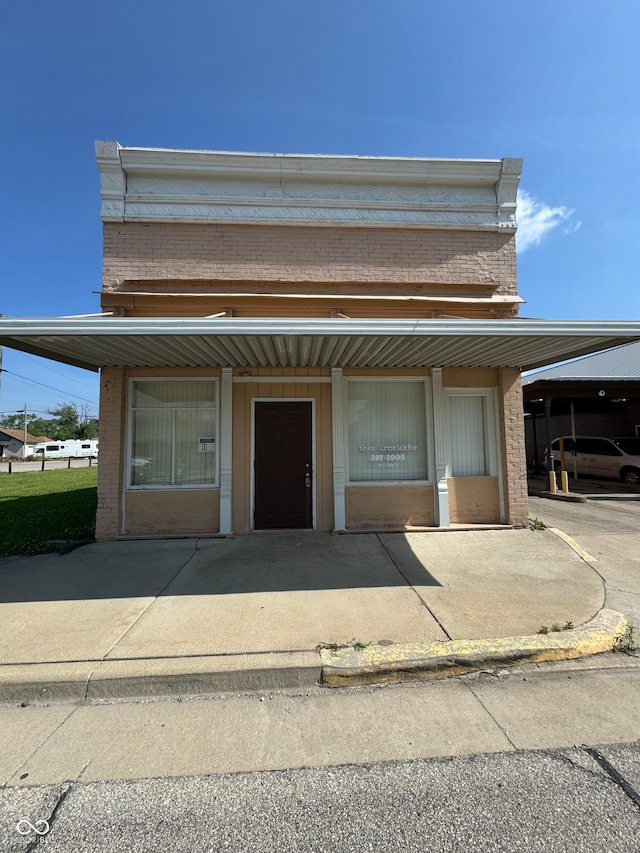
{"type": "Point", "coordinates": [74, 448]}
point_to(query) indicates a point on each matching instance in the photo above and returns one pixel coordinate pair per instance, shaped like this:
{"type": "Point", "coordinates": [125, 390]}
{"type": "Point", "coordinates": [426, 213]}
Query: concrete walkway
{"type": "Point", "coordinates": [191, 616]}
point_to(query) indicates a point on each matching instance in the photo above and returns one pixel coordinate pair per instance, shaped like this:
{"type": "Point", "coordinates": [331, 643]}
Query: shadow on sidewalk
{"type": "Point", "coordinates": [274, 563]}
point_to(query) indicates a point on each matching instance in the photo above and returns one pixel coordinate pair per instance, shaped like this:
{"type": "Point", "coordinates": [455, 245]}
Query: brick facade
{"type": "Point", "coordinates": [323, 254]}
{"type": "Point", "coordinates": [110, 469]}
{"type": "Point", "coordinates": [513, 450]}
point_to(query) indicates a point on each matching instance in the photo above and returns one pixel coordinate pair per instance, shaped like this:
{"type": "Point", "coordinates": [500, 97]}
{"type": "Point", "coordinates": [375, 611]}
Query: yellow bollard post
{"type": "Point", "coordinates": [565, 482]}
{"type": "Point", "coordinates": [552, 482]}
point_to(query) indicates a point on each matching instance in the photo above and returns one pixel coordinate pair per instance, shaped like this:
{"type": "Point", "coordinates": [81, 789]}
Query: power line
{"type": "Point", "coordinates": [49, 387]}
{"type": "Point", "coordinates": [53, 370]}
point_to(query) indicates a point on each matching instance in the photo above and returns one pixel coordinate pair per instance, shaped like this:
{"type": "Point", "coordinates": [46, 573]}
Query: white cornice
{"type": "Point", "coordinates": [165, 185]}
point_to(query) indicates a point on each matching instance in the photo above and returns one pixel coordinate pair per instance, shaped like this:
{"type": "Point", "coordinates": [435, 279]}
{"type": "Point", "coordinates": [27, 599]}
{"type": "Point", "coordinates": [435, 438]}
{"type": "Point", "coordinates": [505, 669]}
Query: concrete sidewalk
{"type": "Point", "coordinates": [197, 616]}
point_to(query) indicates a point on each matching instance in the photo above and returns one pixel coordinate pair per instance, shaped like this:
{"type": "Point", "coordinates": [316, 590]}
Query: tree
{"type": "Point", "coordinates": [67, 422]}
{"type": "Point", "coordinates": [35, 424]}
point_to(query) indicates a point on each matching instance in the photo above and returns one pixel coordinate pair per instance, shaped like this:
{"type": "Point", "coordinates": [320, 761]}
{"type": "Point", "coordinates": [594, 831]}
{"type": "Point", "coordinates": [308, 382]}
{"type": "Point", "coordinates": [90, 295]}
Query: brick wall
{"type": "Point", "coordinates": [513, 450]}
{"type": "Point", "coordinates": [268, 252]}
{"type": "Point", "coordinates": [110, 468]}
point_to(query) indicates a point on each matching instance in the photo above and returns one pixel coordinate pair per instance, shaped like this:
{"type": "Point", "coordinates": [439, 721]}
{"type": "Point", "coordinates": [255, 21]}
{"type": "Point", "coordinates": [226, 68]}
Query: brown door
{"type": "Point", "coordinates": [283, 469]}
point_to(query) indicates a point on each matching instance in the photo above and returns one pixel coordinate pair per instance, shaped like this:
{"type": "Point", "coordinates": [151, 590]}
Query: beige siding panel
{"type": "Point", "coordinates": [386, 371]}
{"type": "Point", "coordinates": [474, 500]}
{"type": "Point", "coordinates": [469, 377]}
{"type": "Point", "coordinates": [174, 372]}
{"type": "Point", "coordinates": [167, 512]}
{"type": "Point", "coordinates": [389, 506]}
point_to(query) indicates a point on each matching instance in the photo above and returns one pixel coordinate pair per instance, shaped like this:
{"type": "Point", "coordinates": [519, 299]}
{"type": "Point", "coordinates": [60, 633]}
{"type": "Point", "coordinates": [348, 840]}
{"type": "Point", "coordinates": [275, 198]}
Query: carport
{"type": "Point", "coordinates": [598, 394]}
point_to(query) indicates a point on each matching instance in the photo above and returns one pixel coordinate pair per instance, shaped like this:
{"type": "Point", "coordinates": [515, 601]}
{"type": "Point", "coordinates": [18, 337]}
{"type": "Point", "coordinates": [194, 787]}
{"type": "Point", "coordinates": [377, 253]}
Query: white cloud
{"type": "Point", "coordinates": [536, 219]}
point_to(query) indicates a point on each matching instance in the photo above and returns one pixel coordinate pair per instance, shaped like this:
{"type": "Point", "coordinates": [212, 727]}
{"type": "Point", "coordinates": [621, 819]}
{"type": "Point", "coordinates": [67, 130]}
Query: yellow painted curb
{"type": "Point", "coordinates": [413, 662]}
{"type": "Point", "coordinates": [571, 542]}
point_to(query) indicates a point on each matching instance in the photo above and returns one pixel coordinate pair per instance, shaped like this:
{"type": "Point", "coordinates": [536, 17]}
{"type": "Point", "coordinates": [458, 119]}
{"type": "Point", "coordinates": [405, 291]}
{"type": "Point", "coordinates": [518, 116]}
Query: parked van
{"type": "Point", "coordinates": [617, 458]}
{"type": "Point", "coordinates": [74, 448]}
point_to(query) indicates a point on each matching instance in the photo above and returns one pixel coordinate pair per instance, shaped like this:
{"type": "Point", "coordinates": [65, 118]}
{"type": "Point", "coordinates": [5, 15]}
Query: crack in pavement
{"type": "Point", "coordinates": [614, 775]}
{"type": "Point", "coordinates": [411, 586]}
{"type": "Point", "coordinates": [50, 820]}
{"type": "Point", "coordinates": [491, 717]}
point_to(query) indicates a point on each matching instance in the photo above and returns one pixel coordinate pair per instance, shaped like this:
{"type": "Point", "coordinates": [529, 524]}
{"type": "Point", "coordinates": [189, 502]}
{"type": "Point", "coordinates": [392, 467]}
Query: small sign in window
{"type": "Point", "coordinates": [207, 445]}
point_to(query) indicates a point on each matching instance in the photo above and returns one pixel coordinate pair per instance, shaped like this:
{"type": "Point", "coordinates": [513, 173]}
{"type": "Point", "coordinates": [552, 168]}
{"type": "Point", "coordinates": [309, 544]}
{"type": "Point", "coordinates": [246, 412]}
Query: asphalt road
{"type": "Point", "coordinates": [19, 467]}
{"type": "Point", "coordinates": [558, 801]}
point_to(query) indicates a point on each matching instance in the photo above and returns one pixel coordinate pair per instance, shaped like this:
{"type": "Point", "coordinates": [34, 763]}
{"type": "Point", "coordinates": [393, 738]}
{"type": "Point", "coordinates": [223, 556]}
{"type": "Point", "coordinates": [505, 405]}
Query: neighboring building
{"type": "Point", "coordinates": [598, 395]}
{"type": "Point", "coordinates": [12, 444]}
{"type": "Point", "coordinates": [308, 342]}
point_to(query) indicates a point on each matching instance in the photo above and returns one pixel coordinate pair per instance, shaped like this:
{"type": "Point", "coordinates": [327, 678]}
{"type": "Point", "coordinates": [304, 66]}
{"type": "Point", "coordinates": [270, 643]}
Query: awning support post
{"type": "Point", "coordinates": [337, 418]}
{"type": "Point", "coordinates": [441, 447]}
{"type": "Point", "coordinates": [225, 444]}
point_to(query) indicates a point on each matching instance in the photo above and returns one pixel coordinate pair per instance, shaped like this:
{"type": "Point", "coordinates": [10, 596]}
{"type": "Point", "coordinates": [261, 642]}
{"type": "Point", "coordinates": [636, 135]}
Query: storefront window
{"type": "Point", "coordinates": [387, 430]}
{"type": "Point", "coordinates": [468, 436]}
{"type": "Point", "coordinates": [173, 433]}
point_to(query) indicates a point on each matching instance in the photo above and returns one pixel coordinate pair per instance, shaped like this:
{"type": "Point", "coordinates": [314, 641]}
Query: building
{"type": "Point", "coordinates": [12, 443]}
{"type": "Point", "coordinates": [308, 342]}
{"type": "Point", "coordinates": [597, 395]}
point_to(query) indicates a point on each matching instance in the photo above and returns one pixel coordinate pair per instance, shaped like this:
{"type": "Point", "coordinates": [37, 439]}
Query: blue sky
{"type": "Point", "coordinates": [553, 82]}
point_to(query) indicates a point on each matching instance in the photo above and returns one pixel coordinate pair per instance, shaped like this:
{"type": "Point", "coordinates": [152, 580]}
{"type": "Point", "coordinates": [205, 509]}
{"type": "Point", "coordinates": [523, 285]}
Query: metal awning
{"type": "Point", "coordinates": [97, 342]}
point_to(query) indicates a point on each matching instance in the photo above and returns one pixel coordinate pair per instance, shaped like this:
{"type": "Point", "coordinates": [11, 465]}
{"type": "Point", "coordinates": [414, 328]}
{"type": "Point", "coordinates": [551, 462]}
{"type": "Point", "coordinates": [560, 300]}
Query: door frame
{"type": "Point", "coordinates": [252, 469]}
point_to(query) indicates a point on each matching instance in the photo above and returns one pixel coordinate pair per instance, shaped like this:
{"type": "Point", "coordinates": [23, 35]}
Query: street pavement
{"type": "Point", "coordinates": [577, 800]}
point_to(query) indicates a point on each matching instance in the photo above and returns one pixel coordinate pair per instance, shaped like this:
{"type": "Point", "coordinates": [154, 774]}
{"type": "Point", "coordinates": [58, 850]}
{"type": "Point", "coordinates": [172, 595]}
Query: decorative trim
{"type": "Point", "coordinates": [337, 422]}
{"type": "Point", "coordinates": [142, 185]}
{"type": "Point", "coordinates": [226, 440]}
{"type": "Point", "coordinates": [113, 181]}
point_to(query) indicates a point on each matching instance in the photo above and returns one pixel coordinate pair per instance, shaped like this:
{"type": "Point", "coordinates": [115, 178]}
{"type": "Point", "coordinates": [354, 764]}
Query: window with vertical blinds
{"type": "Point", "coordinates": [173, 433]}
{"type": "Point", "coordinates": [468, 436]}
{"type": "Point", "coordinates": [387, 431]}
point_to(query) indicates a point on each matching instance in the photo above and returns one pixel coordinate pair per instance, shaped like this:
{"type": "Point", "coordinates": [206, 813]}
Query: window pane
{"type": "Point", "coordinates": [387, 431]}
{"type": "Point", "coordinates": [151, 448]}
{"type": "Point", "coordinates": [173, 425]}
{"type": "Point", "coordinates": [468, 455]}
{"type": "Point", "coordinates": [194, 465]}
{"type": "Point", "coordinates": [162, 395]}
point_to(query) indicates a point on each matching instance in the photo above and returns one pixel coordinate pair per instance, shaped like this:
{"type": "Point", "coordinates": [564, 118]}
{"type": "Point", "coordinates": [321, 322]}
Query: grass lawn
{"type": "Point", "coordinates": [38, 507]}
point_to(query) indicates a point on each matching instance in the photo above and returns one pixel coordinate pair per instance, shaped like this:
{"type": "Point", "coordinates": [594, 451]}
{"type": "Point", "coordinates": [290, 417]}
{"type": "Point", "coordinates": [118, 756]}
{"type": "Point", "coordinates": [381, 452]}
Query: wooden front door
{"type": "Point", "coordinates": [283, 465]}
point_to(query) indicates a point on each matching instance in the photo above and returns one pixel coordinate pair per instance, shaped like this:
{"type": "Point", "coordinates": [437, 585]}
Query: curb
{"type": "Point", "coordinates": [128, 679]}
{"type": "Point", "coordinates": [570, 497]}
{"type": "Point", "coordinates": [387, 664]}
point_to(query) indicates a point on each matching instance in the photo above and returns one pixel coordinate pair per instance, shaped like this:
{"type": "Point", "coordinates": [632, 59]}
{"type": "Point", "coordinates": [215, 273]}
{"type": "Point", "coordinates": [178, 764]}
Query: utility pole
{"type": "Point", "coordinates": [24, 446]}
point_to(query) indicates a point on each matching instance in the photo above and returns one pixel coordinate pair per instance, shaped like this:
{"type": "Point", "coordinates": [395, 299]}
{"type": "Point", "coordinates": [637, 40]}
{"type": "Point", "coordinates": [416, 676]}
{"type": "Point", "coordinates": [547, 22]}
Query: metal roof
{"type": "Point", "coordinates": [619, 363]}
{"type": "Point", "coordinates": [264, 342]}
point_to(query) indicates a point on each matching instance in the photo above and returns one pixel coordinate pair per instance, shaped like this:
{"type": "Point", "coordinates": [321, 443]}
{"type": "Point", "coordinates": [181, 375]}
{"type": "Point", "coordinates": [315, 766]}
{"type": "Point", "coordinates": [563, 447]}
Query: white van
{"type": "Point", "coordinates": [616, 458]}
{"type": "Point", "coordinates": [74, 448]}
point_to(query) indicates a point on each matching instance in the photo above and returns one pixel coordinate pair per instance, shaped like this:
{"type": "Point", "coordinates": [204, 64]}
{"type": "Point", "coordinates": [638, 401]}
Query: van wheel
{"type": "Point", "coordinates": [631, 476]}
